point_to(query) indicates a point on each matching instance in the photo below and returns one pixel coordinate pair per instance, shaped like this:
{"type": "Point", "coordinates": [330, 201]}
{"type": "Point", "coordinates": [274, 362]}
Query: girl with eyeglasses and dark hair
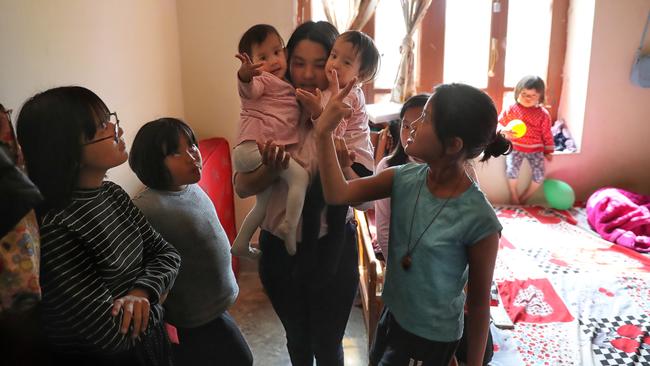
{"type": "Point", "coordinates": [166, 158]}
{"type": "Point", "coordinates": [443, 234]}
{"type": "Point", "coordinates": [104, 269]}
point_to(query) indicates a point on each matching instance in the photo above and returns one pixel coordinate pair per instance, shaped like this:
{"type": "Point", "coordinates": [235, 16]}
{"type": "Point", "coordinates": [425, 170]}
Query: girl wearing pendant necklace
{"type": "Point", "coordinates": [443, 233]}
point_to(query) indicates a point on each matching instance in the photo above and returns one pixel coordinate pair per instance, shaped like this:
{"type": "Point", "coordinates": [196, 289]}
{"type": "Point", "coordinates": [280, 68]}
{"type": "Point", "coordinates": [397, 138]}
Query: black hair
{"type": "Point", "coordinates": [468, 113]}
{"type": "Point", "coordinates": [531, 82]}
{"type": "Point", "coordinates": [51, 127]}
{"type": "Point", "coordinates": [368, 54]}
{"type": "Point", "coordinates": [152, 144]}
{"type": "Point", "coordinates": [399, 156]}
{"type": "Point", "coordinates": [256, 35]}
{"type": "Point", "coordinates": [321, 32]}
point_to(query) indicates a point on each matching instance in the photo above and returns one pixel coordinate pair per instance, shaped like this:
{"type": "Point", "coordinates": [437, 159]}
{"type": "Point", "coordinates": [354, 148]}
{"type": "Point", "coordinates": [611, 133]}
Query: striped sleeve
{"type": "Point", "coordinates": [77, 302]}
{"type": "Point", "coordinates": [161, 260]}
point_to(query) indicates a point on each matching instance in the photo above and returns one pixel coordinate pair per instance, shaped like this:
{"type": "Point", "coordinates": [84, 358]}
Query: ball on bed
{"type": "Point", "coordinates": [559, 194]}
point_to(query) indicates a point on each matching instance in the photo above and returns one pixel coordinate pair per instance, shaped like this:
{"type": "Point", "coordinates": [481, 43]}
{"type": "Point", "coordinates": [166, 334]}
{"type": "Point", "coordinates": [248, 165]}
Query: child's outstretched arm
{"type": "Point", "coordinates": [247, 86]}
{"type": "Point", "coordinates": [335, 187]}
{"type": "Point", "coordinates": [482, 256]}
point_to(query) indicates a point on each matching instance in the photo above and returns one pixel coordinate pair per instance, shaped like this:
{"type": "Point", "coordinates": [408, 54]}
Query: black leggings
{"type": "Point", "coordinates": [314, 313]}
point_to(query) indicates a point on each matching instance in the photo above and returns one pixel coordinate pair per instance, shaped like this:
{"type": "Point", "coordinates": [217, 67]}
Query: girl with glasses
{"type": "Point", "coordinates": [104, 270]}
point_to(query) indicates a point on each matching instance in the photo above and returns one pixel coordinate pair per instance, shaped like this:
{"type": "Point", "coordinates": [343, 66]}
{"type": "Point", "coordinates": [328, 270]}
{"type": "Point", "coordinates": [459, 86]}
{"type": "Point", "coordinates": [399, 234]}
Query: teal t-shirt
{"type": "Point", "coordinates": [428, 299]}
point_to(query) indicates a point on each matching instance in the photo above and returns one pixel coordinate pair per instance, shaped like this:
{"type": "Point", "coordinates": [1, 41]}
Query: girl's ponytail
{"type": "Point", "coordinates": [500, 145]}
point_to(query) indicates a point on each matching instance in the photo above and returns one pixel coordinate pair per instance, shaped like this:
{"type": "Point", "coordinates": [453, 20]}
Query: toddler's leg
{"type": "Point", "coordinates": [297, 179]}
{"type": "Point", "coordinates": [241, 247]}
{"type": "Point", "coordinates": [513, 163]}
{"type": "Point", "coordinates": [536, 161]}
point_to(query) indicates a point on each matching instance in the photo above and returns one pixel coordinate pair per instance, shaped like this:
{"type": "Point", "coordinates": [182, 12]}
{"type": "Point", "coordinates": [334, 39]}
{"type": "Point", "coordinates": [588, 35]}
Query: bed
{"type": "Point", "coordinates": [575, 298]}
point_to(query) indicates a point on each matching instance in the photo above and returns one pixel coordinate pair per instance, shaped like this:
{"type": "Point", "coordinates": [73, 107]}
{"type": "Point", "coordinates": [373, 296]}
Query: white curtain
{"type": "Point", "coordinates": [413, 11]}
{"type": "Point", "coordinates": [349, 14]}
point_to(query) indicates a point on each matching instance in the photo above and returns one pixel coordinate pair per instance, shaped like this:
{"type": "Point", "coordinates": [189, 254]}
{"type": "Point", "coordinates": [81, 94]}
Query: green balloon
{"type": "Point", "coordinates": [559, 194]}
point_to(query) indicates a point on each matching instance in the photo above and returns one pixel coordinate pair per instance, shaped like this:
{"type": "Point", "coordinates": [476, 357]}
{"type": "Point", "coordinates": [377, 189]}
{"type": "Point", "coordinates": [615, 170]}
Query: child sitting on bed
{"type": "Point", "coordinates": [269, 112]}
{"type": "Point", "coordinates": [536, 142]}
{"type": "Point", "coordinates": [443, 230]}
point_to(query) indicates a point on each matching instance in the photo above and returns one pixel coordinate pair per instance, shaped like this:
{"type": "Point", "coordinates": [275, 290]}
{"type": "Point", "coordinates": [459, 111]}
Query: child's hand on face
{"type": "Point", "coordinates": [248, 69]}
{"type": "Point", "coordinates": [336, 109]}
{"type": "Point", "coordinates": [311, 102]}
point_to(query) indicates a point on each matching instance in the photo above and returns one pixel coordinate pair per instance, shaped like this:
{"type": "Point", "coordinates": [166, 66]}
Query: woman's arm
{"type": "Point", "coordinates": [482, 256]}
{"type": "Point", "coordinates": [274, 159]}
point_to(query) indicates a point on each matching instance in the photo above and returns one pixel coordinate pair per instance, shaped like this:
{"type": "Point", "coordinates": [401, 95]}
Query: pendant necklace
{"type": "Point", "coordinates": [406, 259]}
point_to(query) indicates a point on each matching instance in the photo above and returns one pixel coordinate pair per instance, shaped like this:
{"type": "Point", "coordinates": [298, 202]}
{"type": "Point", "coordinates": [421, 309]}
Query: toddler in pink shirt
{"type": "Point", "coordinates": [270, 111]}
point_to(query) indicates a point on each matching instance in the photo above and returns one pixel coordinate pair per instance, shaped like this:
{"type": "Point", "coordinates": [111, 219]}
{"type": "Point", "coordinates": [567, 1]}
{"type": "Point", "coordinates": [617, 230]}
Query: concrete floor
{"type": "Point", "coordinates": [265, 335]}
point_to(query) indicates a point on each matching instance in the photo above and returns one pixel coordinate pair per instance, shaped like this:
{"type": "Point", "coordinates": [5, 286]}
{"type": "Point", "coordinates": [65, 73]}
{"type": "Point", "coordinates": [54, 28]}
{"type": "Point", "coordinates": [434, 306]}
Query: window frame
{"type": "Point", "coordinates": [431, 48]}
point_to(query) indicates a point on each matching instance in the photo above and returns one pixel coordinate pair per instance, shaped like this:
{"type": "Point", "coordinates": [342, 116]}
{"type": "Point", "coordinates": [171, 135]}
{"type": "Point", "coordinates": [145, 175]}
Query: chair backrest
{"type": "Point", "coordinates": [216, 181]}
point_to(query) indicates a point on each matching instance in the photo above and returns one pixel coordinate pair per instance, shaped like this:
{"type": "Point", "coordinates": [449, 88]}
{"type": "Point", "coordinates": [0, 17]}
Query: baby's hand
{"type": "Point", "coordinates": [311, 102]}
{"type": "Point", "coordinates": [548, 157]}
{"type": "Point", "coordinates": [248, 69]}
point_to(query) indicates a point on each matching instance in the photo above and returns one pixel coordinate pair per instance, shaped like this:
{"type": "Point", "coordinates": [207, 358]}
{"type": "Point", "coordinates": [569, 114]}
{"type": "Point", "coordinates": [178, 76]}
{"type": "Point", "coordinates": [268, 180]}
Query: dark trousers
{"type": "Point", "coordinates": [217, 343]}
{"type": "Point", "coordinates": [315, 311]}
{"type": "Point", "coordinates": [395, 346]}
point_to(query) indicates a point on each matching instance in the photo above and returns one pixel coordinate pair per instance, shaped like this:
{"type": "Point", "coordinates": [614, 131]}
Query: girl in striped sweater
{"type": "Point", "coordinates": [104, 270]}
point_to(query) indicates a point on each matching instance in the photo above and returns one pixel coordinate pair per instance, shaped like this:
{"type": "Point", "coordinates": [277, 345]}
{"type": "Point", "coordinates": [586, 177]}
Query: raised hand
{"type": "Point", "coordinates": [248, 69]}
{"type": "Point", "coordinates": [344, 156]}
{"type": "Point", "coordinates": [311, 102]}
{"type": "Point", "coordinates": [336, 109]}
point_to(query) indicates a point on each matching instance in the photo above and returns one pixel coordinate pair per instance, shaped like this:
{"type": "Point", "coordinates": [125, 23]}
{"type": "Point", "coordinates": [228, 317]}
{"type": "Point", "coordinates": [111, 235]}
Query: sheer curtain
{"type": "Point", "coordinates": [413, 11]}
{"type": "Point", "coordinates": [349, 14]}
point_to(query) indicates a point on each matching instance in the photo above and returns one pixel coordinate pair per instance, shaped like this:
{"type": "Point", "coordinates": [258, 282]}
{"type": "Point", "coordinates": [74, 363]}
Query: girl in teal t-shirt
{"type": "Point", "coordinates": [443, 234]}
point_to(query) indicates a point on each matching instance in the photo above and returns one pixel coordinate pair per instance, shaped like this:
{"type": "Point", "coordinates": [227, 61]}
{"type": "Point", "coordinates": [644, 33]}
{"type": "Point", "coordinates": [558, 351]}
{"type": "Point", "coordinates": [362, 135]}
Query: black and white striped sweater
{"type": "Point", "coordinates": [92, 252]}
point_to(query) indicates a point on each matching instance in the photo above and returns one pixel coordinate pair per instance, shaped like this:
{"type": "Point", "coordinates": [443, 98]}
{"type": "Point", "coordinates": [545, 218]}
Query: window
{"type": "Point", "coordinates": [490, 44]}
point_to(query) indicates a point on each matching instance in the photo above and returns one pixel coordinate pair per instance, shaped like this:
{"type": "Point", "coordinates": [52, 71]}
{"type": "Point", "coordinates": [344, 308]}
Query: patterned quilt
{"type": "Point", "coordinates": [575, 298]}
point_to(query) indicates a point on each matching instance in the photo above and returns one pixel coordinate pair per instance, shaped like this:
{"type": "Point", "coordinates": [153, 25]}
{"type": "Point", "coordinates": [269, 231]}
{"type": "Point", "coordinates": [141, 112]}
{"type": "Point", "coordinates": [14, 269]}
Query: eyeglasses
{"type": "Point", "coordinates": [112, 118]}
{"type": "Point", "coordinates": [407, 125]}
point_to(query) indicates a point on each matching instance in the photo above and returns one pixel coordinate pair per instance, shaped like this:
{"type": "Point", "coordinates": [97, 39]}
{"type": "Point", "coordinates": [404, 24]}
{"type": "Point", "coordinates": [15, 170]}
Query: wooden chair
{"type": "Point", "coordinates": [371, 276]}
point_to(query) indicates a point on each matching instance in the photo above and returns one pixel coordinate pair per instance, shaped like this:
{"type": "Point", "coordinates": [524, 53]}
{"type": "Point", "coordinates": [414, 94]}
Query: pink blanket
{"type": "Point", "coordinates": [621, 217]}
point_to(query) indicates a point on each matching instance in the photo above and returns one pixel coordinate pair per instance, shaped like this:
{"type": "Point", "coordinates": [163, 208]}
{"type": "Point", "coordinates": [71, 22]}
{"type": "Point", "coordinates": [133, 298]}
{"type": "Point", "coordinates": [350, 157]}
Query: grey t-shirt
{"type": "Point", "coordinates": [205, 286]}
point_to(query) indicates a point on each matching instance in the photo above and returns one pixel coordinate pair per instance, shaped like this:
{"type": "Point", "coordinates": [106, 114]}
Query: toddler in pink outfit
{"type": "Point", "coordinates": [270, 111]}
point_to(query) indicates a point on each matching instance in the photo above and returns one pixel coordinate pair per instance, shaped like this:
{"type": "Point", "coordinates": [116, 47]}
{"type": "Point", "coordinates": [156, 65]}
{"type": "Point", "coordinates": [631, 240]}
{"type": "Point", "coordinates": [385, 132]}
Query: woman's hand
{"type": "Point", "coordinates": [311, 102]}
{"type": "Point", "coordinates": [248, 69]}
{"type": "Point", "coordinates": [336, 109]}
{"type": "Point", "coordinates": [135, 306]}
{"type": "Point", "coordinates": [273, 156]}
{"type": "Point", "coordinates": [344, 156]}
{"type": "Point", "coordinates": [384, 144]}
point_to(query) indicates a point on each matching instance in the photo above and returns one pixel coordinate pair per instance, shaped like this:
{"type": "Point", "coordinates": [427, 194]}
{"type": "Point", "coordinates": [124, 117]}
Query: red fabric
{"type": "Point", "coordinates": [216, 181]}
{"type": "Point", "coordinates": [533, 301]}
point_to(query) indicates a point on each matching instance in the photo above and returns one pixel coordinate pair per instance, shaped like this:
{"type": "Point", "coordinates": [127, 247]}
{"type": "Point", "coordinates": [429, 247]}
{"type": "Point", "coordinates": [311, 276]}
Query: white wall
{"type": "Point", "coordinates": [125, 51]}
{"type": "Point", "coordinates": [209, 34]}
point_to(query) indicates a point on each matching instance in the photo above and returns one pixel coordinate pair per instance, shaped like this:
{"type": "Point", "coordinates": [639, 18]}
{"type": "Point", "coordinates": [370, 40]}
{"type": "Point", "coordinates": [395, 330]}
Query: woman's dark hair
{"type": "Point", "coordinates": [51, 127]}
{"type": "Point", "coordinates": [256, 35]}
{"type": "Point", "coordinates": [468, 113]}
{"type": "Point", "coordinates": [398, 156]}
{"type": "Point", "coordinates": [531, 82]}
{"type": "Point", "coordinates": [321, 32]}
{"type": "Point", "coordinates": [152, 144]}
{"type": "Point", "coordinates": [365, 47]}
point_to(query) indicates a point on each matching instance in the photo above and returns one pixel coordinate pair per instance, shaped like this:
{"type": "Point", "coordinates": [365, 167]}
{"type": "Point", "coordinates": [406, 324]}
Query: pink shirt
{"type": "Point", "coordinates": [269, 110]}
{"type": "Point", "coordinates": [357, 137]}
